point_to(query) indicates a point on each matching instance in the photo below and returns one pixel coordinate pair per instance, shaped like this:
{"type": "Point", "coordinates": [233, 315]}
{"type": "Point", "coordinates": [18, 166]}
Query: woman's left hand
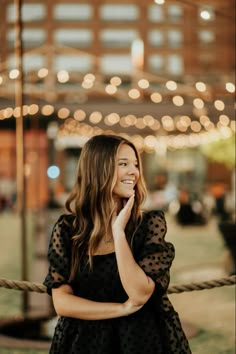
{"type": "Point", "coordinates": [119, 221]}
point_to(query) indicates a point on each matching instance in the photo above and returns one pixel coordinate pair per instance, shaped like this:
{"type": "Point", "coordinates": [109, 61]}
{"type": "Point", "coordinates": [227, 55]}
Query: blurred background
{"type": "Point", "coordinates": [162, 74]}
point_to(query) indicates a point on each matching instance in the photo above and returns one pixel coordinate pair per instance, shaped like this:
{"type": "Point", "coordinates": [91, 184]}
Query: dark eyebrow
{"type": "Point", "coordinates": [125, 159]}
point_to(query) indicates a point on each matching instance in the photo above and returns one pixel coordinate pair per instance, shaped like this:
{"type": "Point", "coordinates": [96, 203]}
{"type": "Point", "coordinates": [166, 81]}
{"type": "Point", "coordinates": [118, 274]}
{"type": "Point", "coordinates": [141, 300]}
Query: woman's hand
{"type": "Point", "coordinates": [119, 221]}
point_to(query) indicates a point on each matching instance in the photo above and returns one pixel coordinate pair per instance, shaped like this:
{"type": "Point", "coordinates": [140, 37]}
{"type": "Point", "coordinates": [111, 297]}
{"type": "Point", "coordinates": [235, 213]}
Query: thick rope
{"type": "Point", "coordinates": [210, 284]}
{"type": "Point", "coordinates": [173, 289]}
{"type": "Point", "coordinates": [22, 285]}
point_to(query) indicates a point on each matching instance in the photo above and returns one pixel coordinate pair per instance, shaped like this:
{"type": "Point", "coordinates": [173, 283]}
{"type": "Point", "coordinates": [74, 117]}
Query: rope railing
{"type": "Point", "coordinates": [173, 289]}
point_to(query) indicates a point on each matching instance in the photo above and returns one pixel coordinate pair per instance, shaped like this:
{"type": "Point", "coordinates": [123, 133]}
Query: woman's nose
{"type": "Point", "coordinates": [133, 170]}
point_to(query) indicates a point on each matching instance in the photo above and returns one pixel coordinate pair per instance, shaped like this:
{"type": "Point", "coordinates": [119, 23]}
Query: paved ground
{"type": "Point", "coordinates": [200, 255]}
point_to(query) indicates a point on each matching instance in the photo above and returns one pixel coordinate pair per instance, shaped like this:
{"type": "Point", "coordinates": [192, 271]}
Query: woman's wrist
{"type": "Point", "coordinates": [118, 233]}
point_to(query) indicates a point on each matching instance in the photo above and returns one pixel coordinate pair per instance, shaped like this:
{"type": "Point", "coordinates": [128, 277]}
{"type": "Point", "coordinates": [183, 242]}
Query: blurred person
{"type": "Point", "coordinates": [191, 210]}
{"type": "Point", "coordinates": [185, 214]}
{"type": "Point", "coordinates": [219, 192]}
{"type": "Point", "coordinates": [109, 262]}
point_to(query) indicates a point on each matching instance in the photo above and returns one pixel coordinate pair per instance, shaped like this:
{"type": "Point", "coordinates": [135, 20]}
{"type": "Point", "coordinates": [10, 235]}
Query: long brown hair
{"type": "Point", "coordinates": [91, 198]}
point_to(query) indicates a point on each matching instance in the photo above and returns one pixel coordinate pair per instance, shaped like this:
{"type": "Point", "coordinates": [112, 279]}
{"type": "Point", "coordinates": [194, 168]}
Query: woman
{"type": "Point", "coordinates": [109, 262]}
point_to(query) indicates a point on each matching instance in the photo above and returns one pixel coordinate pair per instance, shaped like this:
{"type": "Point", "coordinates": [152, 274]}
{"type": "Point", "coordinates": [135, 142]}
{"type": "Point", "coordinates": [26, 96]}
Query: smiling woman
{"type": "Point", "coordinates": [127, 172]}
{"type": "Point", "coordinates": [109, 261]}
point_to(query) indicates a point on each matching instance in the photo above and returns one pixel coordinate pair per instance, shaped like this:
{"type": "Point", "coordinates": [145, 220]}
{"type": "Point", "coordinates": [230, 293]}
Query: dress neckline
{"type": "Point", "coordinates": [103, 254]}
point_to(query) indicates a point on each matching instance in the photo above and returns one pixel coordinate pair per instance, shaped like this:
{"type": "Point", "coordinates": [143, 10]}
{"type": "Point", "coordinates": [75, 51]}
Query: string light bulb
{"type": "Point", "coordinates": [206, 13]}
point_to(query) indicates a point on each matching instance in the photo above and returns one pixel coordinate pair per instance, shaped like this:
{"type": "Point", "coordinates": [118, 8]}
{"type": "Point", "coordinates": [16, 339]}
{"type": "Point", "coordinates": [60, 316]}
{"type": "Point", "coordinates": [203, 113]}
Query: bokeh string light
{"type": "Point", "coordinates": [176, 131]}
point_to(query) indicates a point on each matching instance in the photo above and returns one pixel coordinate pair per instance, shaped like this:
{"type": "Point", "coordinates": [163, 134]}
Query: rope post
{"type": "Point", "coordinates": [20, 158]}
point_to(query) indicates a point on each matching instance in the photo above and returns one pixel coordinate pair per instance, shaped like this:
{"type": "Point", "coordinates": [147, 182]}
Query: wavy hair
{"type": "Point", "coordinates": [91, 199]}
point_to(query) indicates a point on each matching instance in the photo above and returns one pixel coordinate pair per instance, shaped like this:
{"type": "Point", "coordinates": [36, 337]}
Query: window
{"type": "Point", "coordinates": [175, 64]}
{"type": "Point", "coordinates": [156, 63]}
{"type": "Point", "coordinates": [175, 13]}
{"type": "Point", "coordinates": [33, 62]}
{"type": "Point", "coordinates": [74, 38]}
{"type": "Point", "coordinates": [30, 12]}
{"type": "Point", "coordinates": [175, 38]}
{"type": "Point", "coordinates": [120, 64]}
{"type": "Point", "coordinates": [30, 62]}
{"type": "Point", "coordinates": [31, 37]}
{"type": "Point", "coordinates": [155, 13]}
{"type": "Point", "coordinates": [119, 12]}
{"type": "Point", "coordinates": [112, 38]}
{"type": "Point", "coordinates": [73, 12]}
{"type": "Point", "coordinates": [73, 63]}
{"type": "Point", "coordinates": [206, 36]}
{"type": "Point", "coordinates": [156, 38]}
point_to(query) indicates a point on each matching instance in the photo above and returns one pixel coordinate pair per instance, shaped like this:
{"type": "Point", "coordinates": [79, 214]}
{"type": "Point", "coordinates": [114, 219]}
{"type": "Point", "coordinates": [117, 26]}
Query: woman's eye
{"type": "Point", "coordinates": [122, 164]}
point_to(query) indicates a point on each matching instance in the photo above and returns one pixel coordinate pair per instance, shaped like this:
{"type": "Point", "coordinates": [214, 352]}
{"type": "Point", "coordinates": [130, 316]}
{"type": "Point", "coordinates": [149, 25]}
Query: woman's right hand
{"type": "Point", "coordinates": [121, 218]}
{"type": "Point", "coordinates": [129, 307]}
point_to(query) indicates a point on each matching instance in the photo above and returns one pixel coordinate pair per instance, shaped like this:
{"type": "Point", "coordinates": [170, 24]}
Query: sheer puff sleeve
{"type": "Point", "coordinates": [155, 255]}
{"type": "Point", "coordinates": [59, 255]}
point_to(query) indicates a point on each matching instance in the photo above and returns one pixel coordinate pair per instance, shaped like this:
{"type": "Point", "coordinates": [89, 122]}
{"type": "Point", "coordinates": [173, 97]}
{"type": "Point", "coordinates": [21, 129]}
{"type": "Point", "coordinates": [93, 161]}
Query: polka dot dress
{"type": "Point", "coordinates": [139, 333]}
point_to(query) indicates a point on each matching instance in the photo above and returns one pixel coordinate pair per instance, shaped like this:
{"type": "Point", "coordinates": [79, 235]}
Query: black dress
{"type": "Point", "coordinates": [154, 329]}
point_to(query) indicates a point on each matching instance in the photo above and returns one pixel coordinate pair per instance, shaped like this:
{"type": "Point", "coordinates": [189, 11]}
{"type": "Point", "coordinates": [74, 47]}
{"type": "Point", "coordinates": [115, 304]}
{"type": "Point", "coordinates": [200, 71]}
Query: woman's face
{"type": "Point", "coordinates": [127, 172]}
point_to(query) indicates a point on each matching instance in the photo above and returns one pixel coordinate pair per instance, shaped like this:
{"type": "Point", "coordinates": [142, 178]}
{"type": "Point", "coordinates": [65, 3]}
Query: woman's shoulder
{"type": "Point", "coordinates": [65, 219]}
{"type": "Point", "coordinates": [64, 225]}
{"type": "Point", "coordinates": [150, 220]}
{"type": "Point", "coordinates": [152, 215]}
{"type": "Point", "coordinates": [150, 236]}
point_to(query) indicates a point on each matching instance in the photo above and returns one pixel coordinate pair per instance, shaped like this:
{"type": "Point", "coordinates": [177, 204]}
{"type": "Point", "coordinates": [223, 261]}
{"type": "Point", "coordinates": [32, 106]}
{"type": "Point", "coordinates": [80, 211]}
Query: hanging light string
{"type": "Point", "coordinates": [217, 12]}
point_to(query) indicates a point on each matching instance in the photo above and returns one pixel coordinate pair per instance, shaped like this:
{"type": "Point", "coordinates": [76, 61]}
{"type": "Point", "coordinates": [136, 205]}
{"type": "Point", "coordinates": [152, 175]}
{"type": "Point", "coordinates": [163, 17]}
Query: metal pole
{"type": "Point", "coordinates": [20, 158]}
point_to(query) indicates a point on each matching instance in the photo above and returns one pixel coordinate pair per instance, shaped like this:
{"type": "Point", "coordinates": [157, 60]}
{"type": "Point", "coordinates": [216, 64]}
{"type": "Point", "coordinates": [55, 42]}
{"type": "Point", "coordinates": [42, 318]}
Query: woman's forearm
{"type": "Point", "coordinates": [69, 305]}
{"type": "Point", "coordinates": [138, 286]}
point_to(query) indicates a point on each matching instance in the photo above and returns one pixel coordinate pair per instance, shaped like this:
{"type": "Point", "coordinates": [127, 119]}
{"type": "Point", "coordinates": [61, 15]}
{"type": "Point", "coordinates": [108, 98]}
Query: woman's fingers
{"type": "Point", "coordinates": [124, 214]}
{"type": "Point", "coordinates": [120, 220]}
{"type": "Point", "coordinates": [130, 203]}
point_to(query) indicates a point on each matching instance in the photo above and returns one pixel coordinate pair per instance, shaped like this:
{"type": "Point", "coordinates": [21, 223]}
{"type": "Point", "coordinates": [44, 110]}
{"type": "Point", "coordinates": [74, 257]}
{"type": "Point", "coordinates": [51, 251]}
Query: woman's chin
{"type": "Point", "coordinates": [123, 195]}
{"type": "Point", "coordinates": [128, 194]}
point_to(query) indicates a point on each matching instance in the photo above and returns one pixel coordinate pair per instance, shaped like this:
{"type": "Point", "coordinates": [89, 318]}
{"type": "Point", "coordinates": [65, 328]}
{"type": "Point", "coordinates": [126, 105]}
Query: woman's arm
{"type": "Point", "coordinates": [68, 305]}
{"type": "Point", "coordinates": [138, 286]}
